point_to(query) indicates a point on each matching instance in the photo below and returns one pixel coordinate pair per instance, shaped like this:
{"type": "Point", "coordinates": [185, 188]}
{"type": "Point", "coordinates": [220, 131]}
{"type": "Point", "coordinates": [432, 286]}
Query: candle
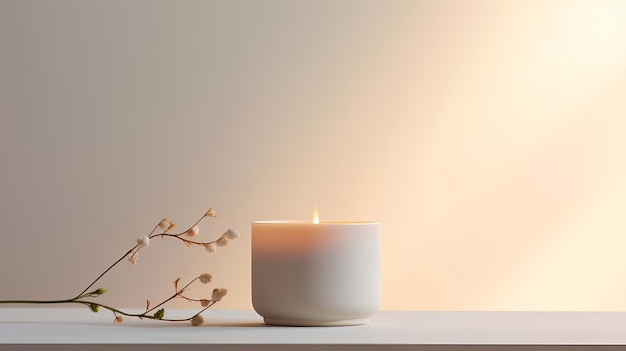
{"type": "Point", "coordinates": [315, 274]}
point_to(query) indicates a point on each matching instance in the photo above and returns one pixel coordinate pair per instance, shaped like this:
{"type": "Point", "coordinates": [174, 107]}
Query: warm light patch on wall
{"type": "Point", "coordinates": [521, 151]}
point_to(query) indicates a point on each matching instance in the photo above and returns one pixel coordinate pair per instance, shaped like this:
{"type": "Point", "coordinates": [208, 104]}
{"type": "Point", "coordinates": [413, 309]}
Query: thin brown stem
{"type": "Point", "coordinates": [178, 293]}
{"type": "Point", "coordinates": [105, 272]}
{"type": "Point", "coordinates": [152, 235]}
{"type": "Point", "coordinates": [186, 241]}
{"type": "Point", "coordinates": [37, 301]}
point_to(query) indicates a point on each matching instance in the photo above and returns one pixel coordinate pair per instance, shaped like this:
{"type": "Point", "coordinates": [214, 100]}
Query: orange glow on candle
{"type": "Point", "coordinates": [316, 216]}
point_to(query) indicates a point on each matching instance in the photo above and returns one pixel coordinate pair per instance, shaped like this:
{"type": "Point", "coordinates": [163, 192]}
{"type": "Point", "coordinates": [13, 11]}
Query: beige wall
{"type": "Point", "coordinates": [486, 136]}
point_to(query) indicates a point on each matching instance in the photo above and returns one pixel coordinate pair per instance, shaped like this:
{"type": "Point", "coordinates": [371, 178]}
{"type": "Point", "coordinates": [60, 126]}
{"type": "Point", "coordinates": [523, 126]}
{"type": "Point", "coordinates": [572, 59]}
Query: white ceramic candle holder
{"type": "Point", "coordinates": [306, 274]}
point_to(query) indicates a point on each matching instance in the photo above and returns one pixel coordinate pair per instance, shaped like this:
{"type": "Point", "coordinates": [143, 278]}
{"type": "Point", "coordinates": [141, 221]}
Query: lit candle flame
{"type": "Point", "coordinates": [316, 217]}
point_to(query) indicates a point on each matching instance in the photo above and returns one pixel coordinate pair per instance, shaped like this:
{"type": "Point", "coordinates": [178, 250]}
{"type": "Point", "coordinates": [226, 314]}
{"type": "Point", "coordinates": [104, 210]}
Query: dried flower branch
{"type": "Point", "coordinates": [157, 312]}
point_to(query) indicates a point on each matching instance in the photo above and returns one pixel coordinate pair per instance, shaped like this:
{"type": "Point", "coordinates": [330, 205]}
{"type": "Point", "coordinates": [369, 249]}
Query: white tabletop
{"type": "Point", "coordinates": [74, 329]}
